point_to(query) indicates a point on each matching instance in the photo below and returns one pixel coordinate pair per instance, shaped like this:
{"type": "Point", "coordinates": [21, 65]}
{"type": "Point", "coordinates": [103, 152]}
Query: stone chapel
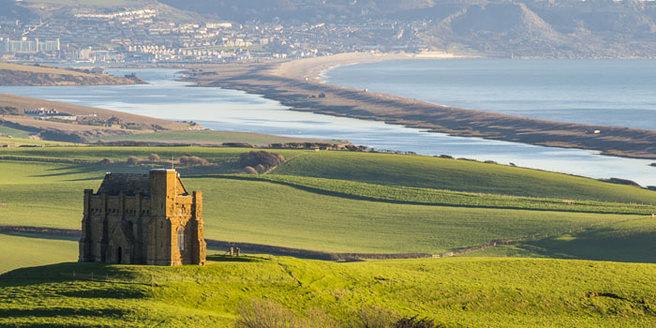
{"type": "Point", "coordinates": [143, 219]}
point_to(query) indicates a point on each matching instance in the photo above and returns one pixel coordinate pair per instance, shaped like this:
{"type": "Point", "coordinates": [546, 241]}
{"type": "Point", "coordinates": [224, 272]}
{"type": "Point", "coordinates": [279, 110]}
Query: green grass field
{"type": "Point", "coordinates": [429, 196]}
{"type": "Point", "coordinates": [47, 195]}
{"type": "Point", "coordinates": [23, 251]}
{"type": "Point", "coordinates": [15, 138]}
{"type": "Point", "coordinates": [340, 202]}
{"type": "Point", "coordinates": [382, 215]}
{"type": "Point", "coordinates": [383, 169]}
{"type": "Point", "coordinates": [458, 175]}
{"type": "Point", "coordinates": [6, 131]}
{"type": "Point", "coordinates": [459, 292]}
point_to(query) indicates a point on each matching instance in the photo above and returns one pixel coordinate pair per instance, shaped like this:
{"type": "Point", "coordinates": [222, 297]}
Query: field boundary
{"type": "Point", "coordinates": [73, 234]}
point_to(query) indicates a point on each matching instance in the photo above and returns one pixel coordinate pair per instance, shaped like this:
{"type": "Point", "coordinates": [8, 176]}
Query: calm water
{"type": "Point", "coordinates": [231, 110]}
{"type": "Point", "coordinates": [605, 92]}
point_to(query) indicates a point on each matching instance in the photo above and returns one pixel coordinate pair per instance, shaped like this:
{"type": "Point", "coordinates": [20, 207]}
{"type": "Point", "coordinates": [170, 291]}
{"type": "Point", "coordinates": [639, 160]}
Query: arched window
{"type": "Point", "coordinates": [181, 240]}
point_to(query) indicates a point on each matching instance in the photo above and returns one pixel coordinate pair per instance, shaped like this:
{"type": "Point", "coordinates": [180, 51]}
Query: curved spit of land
{"type": "Point", "coordinates": [297, 84]}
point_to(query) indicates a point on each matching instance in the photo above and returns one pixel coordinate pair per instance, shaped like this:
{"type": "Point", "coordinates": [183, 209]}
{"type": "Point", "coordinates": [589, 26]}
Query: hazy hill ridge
{"type": "Point", "coordinates": [597, 28]}
{"type": "Point", "coordinates": [523, 28]}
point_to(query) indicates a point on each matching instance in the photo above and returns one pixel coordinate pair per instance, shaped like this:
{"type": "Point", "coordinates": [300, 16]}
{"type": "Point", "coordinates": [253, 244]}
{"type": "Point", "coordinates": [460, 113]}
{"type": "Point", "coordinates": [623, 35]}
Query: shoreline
{"type": "Point", "coordinates": [311, 69]}
{"type": "Point", "coordinates": [298, 85]}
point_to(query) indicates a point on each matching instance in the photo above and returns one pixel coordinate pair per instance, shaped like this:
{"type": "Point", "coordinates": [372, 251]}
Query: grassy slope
{"type": "Point", "coordinates": [18, 142]}
{"type": "Point", "coordinates": [387, 169]}
{"type": "Point", "coordinates": [16, 137]}
{"type": "Point", "coordinates": [48, 194]}
{"type": "Point", "coordinates": [23, 251]}
{"type": "Point", "coordinates": [459, 175]}
{"type": "Point", "coordinates": [429, 196]}
{"type": "Point", "coordinates": [6, 131]}
{"type": "Point", "coordinates": [459, 292]}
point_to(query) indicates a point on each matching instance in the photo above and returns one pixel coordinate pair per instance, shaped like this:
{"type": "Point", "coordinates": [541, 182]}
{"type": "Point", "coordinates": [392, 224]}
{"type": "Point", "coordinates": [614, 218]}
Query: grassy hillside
{"type": "Point", "coordinates": [339, 202]}
{"type": "Point", "coordinates": [23, 251]}
{"type": "Point", "coordinates": [267, 212]}
{"type": "Point", "coordinates": [385, 169]}
{"type": "Point", "coordinates": [453, 292]}
{"type": "Point", "coordinates": [9, 132]}
{"type": "Point", "coordinates": [458, 175]}
{"type": "Point", "coordinates": [428, 196]}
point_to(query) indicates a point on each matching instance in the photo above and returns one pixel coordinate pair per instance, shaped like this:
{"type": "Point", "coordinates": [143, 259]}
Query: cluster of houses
{"type": "Point", "coordinates": [43, 113]}
{"type": "Point", "coordinates": [51, 114]}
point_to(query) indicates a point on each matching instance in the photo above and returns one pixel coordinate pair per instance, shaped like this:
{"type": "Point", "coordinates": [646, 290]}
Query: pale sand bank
{"type": "Point", "coordinates": [313, 69]}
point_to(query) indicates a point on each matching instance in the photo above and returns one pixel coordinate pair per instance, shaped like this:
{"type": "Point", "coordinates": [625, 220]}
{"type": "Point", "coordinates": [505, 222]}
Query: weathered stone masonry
{"type": "Point", "coordinates": [143, 219]}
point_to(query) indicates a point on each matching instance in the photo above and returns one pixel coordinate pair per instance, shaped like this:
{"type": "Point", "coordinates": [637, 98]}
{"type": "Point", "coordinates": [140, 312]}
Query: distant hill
{"type": "Point", "coordinates": [45, 9]}
{"type": "Point", "coordinates": [12, 11]}
{"type": "Point", "coordinates": [562, 28]}
{"type": "Point", "coordinates": [525, 28]}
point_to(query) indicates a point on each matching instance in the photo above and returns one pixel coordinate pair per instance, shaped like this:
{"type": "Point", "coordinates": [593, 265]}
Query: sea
{"type": "Point", "coordinates": [603, 92]}
{"type": "Point", "coordinates": [231, 110]}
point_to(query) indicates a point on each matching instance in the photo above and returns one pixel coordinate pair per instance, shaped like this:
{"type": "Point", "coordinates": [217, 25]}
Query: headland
{"type": "Point", "coordinates": [32, 75]}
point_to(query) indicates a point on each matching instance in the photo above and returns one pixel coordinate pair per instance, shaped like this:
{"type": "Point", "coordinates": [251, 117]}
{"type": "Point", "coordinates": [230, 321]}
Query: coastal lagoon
{"type": "Point", "coordinates": [231, 110]}
{"type": "Point", "coordinates": [601, 92]}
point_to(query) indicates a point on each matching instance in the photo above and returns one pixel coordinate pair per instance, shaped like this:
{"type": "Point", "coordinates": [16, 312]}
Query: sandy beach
{"type": "Point", "coordinates": [313, 69]}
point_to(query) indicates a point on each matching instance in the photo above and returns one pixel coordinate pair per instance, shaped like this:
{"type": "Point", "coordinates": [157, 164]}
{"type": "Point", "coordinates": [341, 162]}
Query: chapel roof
{"type": "Point", "coordinates": [128, 183]}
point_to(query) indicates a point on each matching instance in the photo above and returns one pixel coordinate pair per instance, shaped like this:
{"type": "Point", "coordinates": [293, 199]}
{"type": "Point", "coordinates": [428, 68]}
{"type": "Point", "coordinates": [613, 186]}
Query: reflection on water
{"type": "Point", "coordinates": [232, 110]}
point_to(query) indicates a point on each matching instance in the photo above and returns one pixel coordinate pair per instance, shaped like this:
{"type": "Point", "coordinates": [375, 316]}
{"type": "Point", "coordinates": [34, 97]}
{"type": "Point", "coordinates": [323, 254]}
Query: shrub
{"type": "Point", "coordinates": [133, 160]}
{"type": "Point", "coordinates": [413, 322]}
{"type": "Point", "coordinates": [319, 319]}
{"type": "Point", "coordinates": [194, 160]}
{"type": "Point", "coordinates": [154, 158]}
{"type": "Point", "coordinates": [260, 168]}
{"type": "Point", "coordinates": [622, 182]}
{"type": "Point", "coordinates": [105, 161]}
{"type": "Point", "coordinates": [250, 170]}
{"type": "Point", "coordinates": [267, 314]}
{"type": "Point", "coordinates": [264, 158]}
{"type": "Point", "coordinates": [374, 317]}
{"type": "Point", "coordinates": [237, 145]}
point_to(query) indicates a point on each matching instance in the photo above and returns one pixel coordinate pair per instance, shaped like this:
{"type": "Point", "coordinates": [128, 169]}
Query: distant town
{"type": "Point", "coordinates": [148, 36]}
